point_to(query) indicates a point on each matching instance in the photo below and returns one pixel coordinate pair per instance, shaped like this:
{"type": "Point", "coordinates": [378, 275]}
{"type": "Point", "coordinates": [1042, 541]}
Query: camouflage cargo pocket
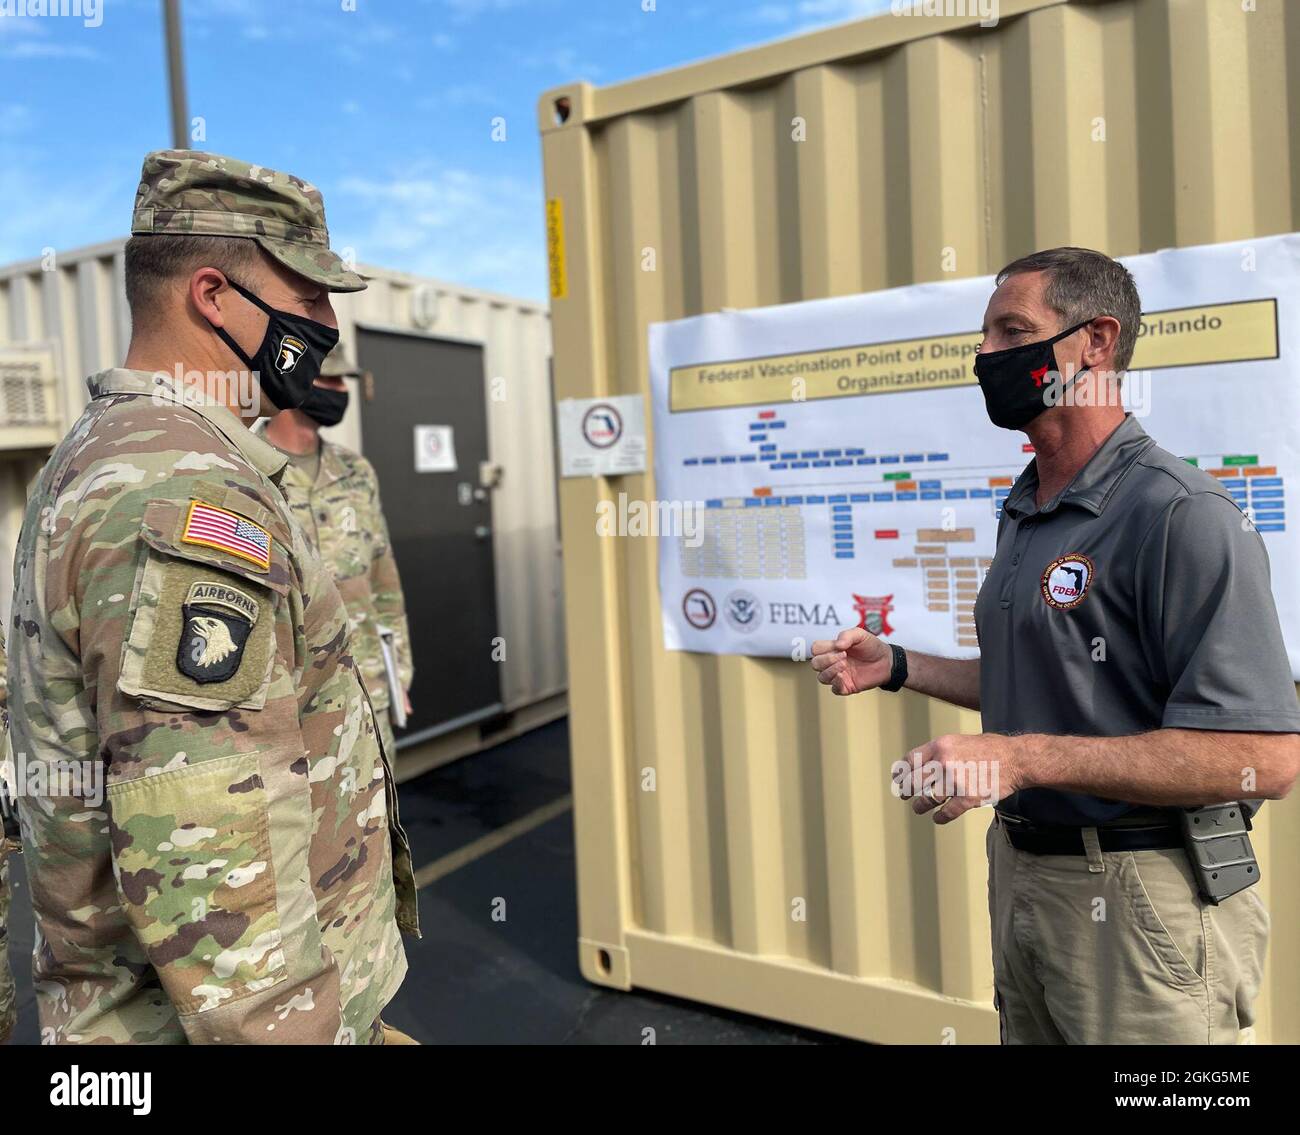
{"type": "Point", "coordinates": [192, 859]}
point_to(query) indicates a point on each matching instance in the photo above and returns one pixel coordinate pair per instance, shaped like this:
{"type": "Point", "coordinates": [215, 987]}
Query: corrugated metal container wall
{"type": "Point", "coordinates": [926, 137]}
{"type": "Point", "coordinates": [80, 305]}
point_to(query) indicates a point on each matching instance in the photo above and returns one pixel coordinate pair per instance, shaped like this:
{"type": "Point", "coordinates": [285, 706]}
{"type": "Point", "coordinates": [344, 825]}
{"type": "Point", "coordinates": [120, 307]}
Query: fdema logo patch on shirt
{"type": "Point", "coordinates": [228, 532]}
{"type": "Point", "coordinates": [1066, 581]}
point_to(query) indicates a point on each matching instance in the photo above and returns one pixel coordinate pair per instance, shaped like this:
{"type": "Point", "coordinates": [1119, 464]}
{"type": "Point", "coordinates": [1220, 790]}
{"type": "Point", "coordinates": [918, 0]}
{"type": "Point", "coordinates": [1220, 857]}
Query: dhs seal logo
{"type": "Point", "coordinates": [1066, 581]}
{"type": "Point", "coordinates": [743, 611]}
{"type": "Point", "coordinates": [602, 425]}
{"type": "Point", "coordinates": [699, 608]}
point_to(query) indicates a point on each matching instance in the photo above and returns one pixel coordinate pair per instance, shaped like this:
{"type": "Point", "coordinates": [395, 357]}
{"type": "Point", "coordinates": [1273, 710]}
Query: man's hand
{"type": "Point", "coordinates": [855, 661]}
{"type": "Point", "coordinates": [406, 698]}
{"type": "Point", "coordinates": [955, 773]}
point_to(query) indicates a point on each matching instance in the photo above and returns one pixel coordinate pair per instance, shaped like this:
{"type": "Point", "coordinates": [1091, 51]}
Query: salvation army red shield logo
{"type": "Point", "coordinates": [873, 613]}
{"type": "Point", "coordinates": [1066, 581]}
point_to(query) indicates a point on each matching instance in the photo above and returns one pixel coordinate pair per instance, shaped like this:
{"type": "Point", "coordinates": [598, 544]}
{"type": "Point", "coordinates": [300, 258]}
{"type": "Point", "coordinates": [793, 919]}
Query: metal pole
{"type": "Point", "coordinates": [176, 74]}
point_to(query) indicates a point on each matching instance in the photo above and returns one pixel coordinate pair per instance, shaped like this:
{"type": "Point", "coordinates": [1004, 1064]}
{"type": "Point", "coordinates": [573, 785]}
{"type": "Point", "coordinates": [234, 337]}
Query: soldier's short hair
{"type": "Point", "coordinates": [1083, 284]}
{"type": "Point", "coordinates": [154, 261]}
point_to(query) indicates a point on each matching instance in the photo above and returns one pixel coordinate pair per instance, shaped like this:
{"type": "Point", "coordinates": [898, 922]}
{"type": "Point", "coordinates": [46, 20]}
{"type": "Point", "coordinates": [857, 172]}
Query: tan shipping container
{"type": "Point", "coordinates": [770, 870]}
{"type": "Point", "coordinates": [67, 311]}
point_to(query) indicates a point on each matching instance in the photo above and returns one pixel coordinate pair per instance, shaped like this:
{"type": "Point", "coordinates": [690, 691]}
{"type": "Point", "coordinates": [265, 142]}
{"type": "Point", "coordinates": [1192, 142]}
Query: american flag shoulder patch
{"type": "Point", "coordinates": [228, 532]}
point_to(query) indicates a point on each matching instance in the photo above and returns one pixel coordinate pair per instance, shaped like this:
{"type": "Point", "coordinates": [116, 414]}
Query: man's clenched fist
{"type": "Point", "coordinates": [855, 661]}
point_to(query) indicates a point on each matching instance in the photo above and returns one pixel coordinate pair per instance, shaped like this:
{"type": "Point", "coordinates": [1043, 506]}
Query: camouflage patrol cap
{"type": "Point", "coordinates": [193, 192]}
{"type": "Point", "coordinates": [338, 365]}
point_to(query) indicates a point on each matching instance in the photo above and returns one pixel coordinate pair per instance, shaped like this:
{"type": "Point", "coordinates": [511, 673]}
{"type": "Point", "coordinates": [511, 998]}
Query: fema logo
{"type": "Point", "coordinates": [602, 425]}
{"type": "Point", "coordinates": [743, 611]}
{"type": "Point", "coordinates": [699, 608]}
{"type": "Point", "coordinates": [1066, 581]}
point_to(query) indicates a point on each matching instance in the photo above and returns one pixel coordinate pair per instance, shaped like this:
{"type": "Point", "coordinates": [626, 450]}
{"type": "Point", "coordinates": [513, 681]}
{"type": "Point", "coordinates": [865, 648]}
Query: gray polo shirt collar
{"type": "Point", "coordinates": [1094, 484]}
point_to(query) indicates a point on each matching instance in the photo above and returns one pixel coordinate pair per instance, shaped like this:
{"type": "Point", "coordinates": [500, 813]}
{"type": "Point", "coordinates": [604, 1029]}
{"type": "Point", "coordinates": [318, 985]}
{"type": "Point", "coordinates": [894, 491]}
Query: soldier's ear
{"type": "Point", "coordinates": [210, 294]}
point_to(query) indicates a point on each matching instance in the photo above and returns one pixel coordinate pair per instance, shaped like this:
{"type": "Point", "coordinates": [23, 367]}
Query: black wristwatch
{"type": "Point", "coordinates": [897, 671]}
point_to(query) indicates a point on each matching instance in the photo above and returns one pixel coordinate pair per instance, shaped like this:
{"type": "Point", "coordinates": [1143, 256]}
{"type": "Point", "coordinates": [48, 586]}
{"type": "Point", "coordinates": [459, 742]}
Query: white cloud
{"type": "Point", "coordinates": [461, 94]}
{"type": "Point", "coordinates": [45, 37]}
{"type": "Point", "coordinates": [565, 61]}
{"type": "Point", "coordinates": [470, 228]}
{"type": "Point", "coordinates": [31, 50]}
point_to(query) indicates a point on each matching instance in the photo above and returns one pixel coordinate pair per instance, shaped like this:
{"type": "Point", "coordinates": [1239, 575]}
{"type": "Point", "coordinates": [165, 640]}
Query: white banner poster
{"type": "Point", "coordinates": [847, 474]}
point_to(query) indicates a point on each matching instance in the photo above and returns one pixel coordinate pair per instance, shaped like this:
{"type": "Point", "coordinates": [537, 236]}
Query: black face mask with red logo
{"type": "Point", "coordinates": [1015, 381]}
{"type": "Point", "coordinates": [291, 353]}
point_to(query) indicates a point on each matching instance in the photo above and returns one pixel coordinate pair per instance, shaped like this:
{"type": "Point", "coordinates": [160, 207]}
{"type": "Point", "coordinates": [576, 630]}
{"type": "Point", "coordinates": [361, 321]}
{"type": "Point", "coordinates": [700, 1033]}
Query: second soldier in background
{"type": "Point", "coordinates": [334, 495]}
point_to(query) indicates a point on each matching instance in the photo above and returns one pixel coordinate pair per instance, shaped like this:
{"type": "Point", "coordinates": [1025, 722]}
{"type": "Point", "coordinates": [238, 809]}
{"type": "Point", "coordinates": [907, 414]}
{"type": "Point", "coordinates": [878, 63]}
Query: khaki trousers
{"type": "Point", "coordinates": [1118, 948]}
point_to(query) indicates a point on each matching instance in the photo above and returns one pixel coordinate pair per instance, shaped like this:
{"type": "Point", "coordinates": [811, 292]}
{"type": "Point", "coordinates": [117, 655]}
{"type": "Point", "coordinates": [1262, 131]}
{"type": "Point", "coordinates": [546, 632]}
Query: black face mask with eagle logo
{"type": "Point", "coordinates": [291, 353]}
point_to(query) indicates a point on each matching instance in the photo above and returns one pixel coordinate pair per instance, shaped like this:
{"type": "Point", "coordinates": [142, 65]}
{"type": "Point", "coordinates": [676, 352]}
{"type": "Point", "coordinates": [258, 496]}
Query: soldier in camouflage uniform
{"type": "Point", "coordinates": [220, 861]}
{"type": "Point", "coordinates": [334, 493]}
{"type": "Point", "coordinates": [8, 1004]}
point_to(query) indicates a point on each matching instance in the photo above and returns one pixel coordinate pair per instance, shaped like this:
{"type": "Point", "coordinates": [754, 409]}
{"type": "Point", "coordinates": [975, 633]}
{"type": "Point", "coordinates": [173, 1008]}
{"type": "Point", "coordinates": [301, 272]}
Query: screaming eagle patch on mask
{"type": "Point", "coordinates": [217, 620]}
{"type": "Point", "coordinates": [289, 353]}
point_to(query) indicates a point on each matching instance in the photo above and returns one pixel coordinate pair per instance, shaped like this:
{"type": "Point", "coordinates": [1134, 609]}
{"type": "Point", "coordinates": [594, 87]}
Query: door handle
{"type": "Point", "coordinates": [482, 531]}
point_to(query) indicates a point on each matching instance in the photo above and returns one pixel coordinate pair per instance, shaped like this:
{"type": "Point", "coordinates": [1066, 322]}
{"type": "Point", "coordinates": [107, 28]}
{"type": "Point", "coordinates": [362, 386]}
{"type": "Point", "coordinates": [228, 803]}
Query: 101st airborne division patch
{"type": "Point", "coordinates": [218, 619]}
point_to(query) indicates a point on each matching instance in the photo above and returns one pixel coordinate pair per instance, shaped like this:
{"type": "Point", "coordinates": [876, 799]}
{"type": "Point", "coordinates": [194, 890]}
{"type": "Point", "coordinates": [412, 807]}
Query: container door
{"type": "Point", "coordinates": [424, 428]}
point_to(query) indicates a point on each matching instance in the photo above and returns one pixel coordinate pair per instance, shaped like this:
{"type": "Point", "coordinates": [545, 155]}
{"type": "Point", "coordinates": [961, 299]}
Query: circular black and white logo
{"type": "Point", "coordinates": [1066, 581]}
{"type": "Point", "coordinates": [743, 611]}
{"type": "Point", "coordinates": [602, 425]}
{"type": "Point", "coordinates": [699, 608]}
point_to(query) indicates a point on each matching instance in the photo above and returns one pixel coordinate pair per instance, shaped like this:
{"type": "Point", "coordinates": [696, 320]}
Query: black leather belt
{"type": "Point", "coordinates": [1044, 839]}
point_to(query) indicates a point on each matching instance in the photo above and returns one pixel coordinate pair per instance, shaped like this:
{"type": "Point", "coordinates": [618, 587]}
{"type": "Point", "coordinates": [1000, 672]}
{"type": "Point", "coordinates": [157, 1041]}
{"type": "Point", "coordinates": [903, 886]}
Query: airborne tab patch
{"type": "Point", "coordinates": [218, 619]}
{"type": "Point", "coordinates": [228, 532]}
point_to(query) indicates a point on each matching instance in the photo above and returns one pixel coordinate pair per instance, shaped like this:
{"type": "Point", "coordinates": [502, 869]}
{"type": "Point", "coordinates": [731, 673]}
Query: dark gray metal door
{"type": "Point", "coordinates": [440, 522]}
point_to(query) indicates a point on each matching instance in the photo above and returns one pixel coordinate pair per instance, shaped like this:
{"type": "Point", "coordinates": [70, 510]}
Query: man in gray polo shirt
{"type": "Point", "coordinates": [1131, 665]}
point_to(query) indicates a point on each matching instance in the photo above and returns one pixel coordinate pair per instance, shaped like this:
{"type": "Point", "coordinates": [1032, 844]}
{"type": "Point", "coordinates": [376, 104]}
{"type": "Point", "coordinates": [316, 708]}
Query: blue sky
{"type": "Point", "coordinates": [388, 108]}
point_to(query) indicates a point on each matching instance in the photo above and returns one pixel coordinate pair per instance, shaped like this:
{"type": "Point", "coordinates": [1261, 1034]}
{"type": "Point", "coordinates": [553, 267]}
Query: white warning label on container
{"type": "Point", "coordinates": [602, 436]}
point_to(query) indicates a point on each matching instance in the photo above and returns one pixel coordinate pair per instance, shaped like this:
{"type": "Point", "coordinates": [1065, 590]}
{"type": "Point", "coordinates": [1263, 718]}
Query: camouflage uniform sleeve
{"type": "Point", "coordinates": [208, 800]}
{"type": "Point", "coordinates": [8, 996]}
{"type": "Point", "coordinates": [386, 585]}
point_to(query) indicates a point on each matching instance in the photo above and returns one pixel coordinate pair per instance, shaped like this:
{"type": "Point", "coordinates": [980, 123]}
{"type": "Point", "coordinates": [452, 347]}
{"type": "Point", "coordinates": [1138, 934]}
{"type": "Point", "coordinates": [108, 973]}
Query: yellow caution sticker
{"type": "Point", "coordinates": [555, 248]}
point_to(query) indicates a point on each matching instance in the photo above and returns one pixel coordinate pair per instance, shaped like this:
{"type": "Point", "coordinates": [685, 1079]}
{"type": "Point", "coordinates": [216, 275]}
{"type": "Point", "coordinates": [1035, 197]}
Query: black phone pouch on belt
{"type": "Point", "coordinates": [1217, 839]}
